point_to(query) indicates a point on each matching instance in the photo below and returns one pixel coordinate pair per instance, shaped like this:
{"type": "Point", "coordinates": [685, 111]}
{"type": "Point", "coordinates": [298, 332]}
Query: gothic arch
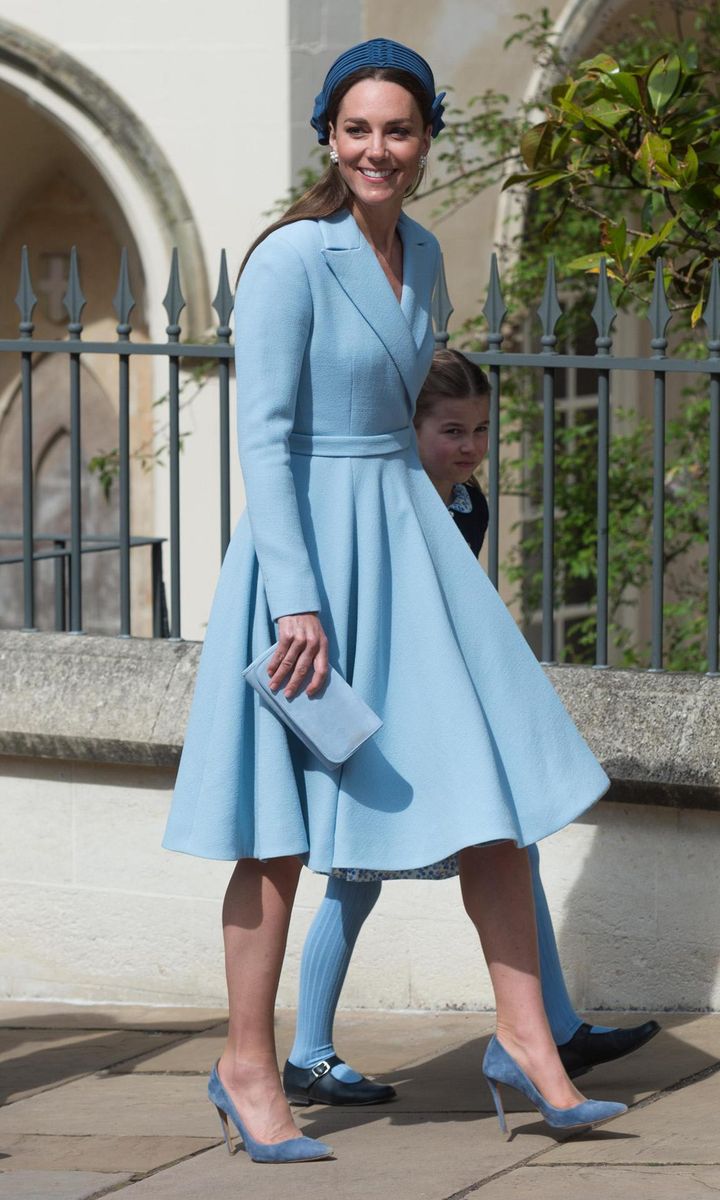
{"type": "Point", "coordinates": [123, 150]}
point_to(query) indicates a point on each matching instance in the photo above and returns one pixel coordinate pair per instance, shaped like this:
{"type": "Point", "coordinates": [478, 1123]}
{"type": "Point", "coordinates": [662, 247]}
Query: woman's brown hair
{"type": "Point", "coordinates": [452, 376]}
{"type": "Point", "coordinates": [330, 193]}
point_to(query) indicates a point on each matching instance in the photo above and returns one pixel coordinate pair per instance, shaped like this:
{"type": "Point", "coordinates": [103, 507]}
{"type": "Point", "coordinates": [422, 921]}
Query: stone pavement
{"type": "Point", "coordinates": [111, 1100]}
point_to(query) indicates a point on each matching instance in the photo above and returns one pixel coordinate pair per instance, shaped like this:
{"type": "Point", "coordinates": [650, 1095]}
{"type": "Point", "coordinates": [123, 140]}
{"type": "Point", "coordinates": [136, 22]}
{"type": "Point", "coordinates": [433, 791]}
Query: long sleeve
{"type": "Point", "coordinates": [273, 317]}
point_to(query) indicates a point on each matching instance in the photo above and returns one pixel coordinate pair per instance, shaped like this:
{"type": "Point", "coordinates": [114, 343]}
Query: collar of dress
{"type": "Point", "coordinates": [402, 327]}
{"type": "Point", "coordinates": [460, 500]}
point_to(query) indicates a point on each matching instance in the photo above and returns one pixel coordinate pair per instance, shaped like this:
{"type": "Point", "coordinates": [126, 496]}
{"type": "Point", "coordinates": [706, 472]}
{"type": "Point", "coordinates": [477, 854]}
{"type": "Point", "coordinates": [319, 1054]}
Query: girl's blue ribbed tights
{"type": "Point", "coordinates": [326, 956]}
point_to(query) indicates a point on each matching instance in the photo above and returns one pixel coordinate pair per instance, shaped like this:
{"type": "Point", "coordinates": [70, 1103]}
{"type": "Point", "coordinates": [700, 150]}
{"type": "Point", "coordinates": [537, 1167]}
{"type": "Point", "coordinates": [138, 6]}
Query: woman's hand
{"type": "Point", "coordinates": [302, 647]}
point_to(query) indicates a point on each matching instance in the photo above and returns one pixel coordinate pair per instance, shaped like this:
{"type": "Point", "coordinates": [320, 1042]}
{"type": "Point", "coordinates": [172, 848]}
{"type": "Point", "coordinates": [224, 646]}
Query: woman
{"type": "Point", "coordinates": [348, 550]}
{"type": "Point", "coordinates": [451, 421]}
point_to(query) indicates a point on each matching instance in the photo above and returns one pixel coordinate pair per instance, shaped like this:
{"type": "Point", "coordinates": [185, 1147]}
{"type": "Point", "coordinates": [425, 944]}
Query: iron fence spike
{"type": "Point", "coordinates": [25, 299]}
{"type": "Point", "coordinates": [223, 299]}
{"type": "Point", "coordinates": [174, 301]}
{"type": "Point", "coordinates": [495, 309]}
{"type": "Point", "coordinates": [123, 300]}
{"type": "Point", "coordinates": [659, 313]}
{"type": "Point", "coordinates": [604, 312]}
{"type": "Point", "coordinates": [711, 315]}
{"type": "Point", "coordinates": [550, 310]}
{"type": "Point", "coordinates": [74, 298]}
{"type": "Point", "coordinates": [441, 304]}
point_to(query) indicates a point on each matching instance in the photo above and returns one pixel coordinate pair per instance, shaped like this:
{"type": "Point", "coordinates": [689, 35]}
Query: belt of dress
{"type": "Point", "coordinates": [349, 445]}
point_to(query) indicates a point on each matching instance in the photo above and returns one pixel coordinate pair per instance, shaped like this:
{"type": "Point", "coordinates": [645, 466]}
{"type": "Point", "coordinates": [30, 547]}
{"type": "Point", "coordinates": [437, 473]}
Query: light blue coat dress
{"type": "Point", "coordinates": [342, 519]}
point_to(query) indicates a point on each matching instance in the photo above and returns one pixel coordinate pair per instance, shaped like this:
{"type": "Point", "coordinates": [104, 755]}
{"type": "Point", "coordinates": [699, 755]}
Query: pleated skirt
{"type": "Point", "coordinates": [475, 747]}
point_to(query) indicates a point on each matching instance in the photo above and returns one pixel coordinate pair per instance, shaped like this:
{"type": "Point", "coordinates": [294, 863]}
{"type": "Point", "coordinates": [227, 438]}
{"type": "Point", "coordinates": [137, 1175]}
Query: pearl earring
{"type": "Point", "coordinates": [423, 161]}
{"type": "Point", "coordinates": [334, 157]}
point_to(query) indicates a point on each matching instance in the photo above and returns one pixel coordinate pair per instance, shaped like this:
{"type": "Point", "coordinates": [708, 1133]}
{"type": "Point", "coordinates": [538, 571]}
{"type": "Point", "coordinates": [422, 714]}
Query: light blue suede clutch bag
{"type": "Point", "coordinates": [333, 724]}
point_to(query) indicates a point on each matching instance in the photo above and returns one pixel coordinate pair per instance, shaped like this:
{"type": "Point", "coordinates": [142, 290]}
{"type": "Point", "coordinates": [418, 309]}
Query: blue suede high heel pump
{"type": "Point", "coordinates": [499, 1067]}
{"type": "Point", "coordinates": [299, 1149]}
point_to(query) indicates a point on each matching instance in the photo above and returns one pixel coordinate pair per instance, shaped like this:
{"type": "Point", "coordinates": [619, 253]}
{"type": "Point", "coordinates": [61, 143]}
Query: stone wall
{"type": "Point", "coordinates": [94, 909]}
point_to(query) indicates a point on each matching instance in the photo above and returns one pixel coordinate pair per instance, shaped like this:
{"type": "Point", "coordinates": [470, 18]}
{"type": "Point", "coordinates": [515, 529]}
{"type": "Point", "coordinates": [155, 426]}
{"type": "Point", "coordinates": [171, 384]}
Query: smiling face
{"type": "Point", "coordinates": [379, 137]}
{"type": "Point", "coordinates": [453, 438]}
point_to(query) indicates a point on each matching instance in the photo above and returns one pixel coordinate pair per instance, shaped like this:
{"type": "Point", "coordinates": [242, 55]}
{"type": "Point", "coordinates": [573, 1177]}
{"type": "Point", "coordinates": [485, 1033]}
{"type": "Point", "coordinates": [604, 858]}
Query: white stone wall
{"type": "Point", "coordinates": [94, 909]}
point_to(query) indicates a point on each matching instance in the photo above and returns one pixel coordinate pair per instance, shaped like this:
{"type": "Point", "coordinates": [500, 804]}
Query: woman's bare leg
{"type": "Point", "coordinates": [256, 916]}
{"type": "Point", "coordinates": [497, 893]}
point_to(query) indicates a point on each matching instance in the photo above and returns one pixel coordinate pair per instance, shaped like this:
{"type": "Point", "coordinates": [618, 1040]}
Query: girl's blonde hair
{"type": "Point", "coordinates": [452, 376]}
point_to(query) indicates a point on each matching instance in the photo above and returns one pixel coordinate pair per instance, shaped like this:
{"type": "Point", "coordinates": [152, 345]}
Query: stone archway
{"type": "Point", "coordinates": [56, 198]}
{"type": "Point", "coordinates": [123, 153]}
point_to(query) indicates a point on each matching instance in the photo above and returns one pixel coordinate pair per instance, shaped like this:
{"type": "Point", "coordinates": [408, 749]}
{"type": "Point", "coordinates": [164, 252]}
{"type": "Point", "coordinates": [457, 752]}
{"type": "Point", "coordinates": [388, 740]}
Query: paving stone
{"type": "Point", "coordinates": [55, 1185]}
{"type": "Point", "coordinates": [34, 1059]}
{"type": "Point", "coordinates": [376, 1157]}
{"type": "Point", "coordinates": [382, 1042]}
{"type": "Point", "coordinates": [681, 1127]}
{"type": "Point", "coordinates": [378, 1043]}
{"type": "Point", "coordinates": [44, 1014]}
{"type": "Point", "coordinates": [117, 1105]}
{"type": "Point", "coordinates": [600, 1183]}
{"type": "Point", "coordinates": [97, 1153]}
{"type": "Point", "coordinates": [686, 1046]}
{"type": "Point", "coordinates": [191, 1056]}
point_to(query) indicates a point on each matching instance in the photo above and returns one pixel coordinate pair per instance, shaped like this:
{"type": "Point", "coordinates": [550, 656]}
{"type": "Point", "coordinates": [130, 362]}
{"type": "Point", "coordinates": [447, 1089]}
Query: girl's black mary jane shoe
{"type": "Point", "coordinates": [317, 1085]}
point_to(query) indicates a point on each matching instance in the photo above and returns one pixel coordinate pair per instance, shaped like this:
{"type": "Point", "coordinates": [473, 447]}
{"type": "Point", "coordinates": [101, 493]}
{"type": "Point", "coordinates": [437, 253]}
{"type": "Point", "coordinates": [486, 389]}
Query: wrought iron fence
{"type": "Point", "coordinates": [547, 362]}
{"type": "Point", "coordinates": [124, 349]}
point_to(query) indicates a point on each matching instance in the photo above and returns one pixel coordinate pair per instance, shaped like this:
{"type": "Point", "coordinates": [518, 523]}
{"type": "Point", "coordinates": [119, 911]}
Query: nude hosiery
{"type": "Point", "coordinates": [497, 894]}
{"type": "Point", "coordinates": [562, 1018]}
{"type": "Point", "coordinates": [256, 916]}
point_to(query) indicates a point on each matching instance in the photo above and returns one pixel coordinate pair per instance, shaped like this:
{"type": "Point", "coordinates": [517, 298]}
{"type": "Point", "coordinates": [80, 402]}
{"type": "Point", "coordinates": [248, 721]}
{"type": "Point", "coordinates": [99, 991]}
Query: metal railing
{"type": "Point", "coordinates": [603, 363]}
{"type": "Point", "coordinates": [74, 347]}
{"type": "Point", "coordinates": [548, 362]}
{"type": "Point", "coordinates": [90, 543]}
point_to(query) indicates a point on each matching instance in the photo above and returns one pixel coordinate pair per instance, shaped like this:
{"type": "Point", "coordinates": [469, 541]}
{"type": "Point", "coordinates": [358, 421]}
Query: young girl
{"type": "Point", "coordinates": [451, 421]}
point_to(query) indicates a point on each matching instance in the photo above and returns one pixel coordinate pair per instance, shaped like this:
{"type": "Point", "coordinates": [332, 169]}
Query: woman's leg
{"type": "Point", "coordinates": [562, 1018]}
{"type": "Point", "coordinates": [256, 916]}
{"type": "Point", "coordinates": [497, 893]}
{"type": "Point", "coordinates": [326, 957]}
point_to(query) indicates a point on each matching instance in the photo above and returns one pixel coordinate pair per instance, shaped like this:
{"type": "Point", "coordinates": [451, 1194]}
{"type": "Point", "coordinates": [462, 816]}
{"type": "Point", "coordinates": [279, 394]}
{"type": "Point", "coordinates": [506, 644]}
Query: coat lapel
{"type": "Point", "coordinates": [402, 328]}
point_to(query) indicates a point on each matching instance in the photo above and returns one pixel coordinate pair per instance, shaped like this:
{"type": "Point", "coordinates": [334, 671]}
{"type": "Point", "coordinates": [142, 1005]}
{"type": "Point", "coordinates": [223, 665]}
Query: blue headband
{"type": "Point", "coordinates": [380, 52]}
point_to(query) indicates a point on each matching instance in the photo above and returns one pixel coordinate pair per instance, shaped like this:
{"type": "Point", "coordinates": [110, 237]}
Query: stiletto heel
{"type": "Point", "coordinates": [497, 1098]}
{"type": "Point", "coordinates": [225, 1128]}
{"type": "Point", "coordinates": [298, 1149]}
{"type": "Point", "coordinates": [499, 1067]}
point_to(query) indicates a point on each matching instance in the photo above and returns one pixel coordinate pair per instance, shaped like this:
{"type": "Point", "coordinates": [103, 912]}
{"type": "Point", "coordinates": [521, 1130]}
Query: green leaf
{"type": "Point", "coordinates": [601, 62]}
{"type": "Point", "coordinates": [701, 198]}
{"type": "Point", "coordinates": [607, 112]}
{"type": "Point", "coordinates": [663, 81]}
{"type": "Point", "coordinates": [588, 262]}
{"type": "Point", "coordinates": [697, 312]}
{"type": "Point", "coordinates": [690, 170]}
{"type": "Point", "coordinates": [710, 155]}
{"type": "Point", "coordinates": [564, 91]}
{"type": "Point", "coordinates": [644, 245]}
{"type": "Point", "coordinates": [591, 264]}
{"type": "Point", "coordinates": [617, 236]}
{"type": "Point", "coordinates": [546, 179]}
{"type": "Point", "coordinates": [627, 85]}
{"type": "Point", "coordinates": [531, 178]}
{"type": "Point", "coordinates": [572, 110]}
{"type": "Point", "coordinates": [654, 153]}
{"type": "Point", "coordinates": [535, 144]}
